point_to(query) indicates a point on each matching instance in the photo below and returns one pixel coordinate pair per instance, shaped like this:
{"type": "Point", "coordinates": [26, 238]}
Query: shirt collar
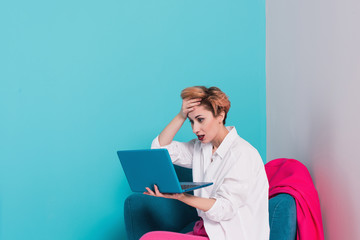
{"type": "Point", "coordinates": [226, 143]}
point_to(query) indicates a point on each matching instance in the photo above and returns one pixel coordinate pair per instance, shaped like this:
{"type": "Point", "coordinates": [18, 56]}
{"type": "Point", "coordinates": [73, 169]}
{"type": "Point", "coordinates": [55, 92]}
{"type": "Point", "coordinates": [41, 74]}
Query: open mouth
{"type": "Point", "coordinates": [201, 137]}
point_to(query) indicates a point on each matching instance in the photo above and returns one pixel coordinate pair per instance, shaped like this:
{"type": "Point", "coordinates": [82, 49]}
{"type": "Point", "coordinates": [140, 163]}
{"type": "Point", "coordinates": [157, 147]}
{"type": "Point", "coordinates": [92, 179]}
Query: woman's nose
{"type": "Point", "coordinates": [195, 128]}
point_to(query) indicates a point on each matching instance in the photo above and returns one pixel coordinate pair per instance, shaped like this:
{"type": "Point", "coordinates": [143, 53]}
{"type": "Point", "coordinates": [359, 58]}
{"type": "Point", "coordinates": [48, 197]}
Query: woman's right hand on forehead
{"type": "Point", "coordinates": [188, 106]}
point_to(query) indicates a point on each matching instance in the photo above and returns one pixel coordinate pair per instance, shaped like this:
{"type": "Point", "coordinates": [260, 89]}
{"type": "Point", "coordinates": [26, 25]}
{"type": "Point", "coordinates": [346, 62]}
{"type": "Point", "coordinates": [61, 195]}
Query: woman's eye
{"type": "Point", "coordinates": [200, 119]}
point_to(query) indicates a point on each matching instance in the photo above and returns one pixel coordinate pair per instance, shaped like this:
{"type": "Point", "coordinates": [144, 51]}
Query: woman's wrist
{"type": "Point", "coordinates": [183, 197]}
{"type": "Point", "coordinates": [180, 114]}
{"type": "Point", "coordinates": [204, 204]}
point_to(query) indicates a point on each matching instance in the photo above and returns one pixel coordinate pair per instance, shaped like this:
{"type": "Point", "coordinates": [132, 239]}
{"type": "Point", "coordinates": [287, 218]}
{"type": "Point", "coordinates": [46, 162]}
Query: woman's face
{"type": "Point", "coordinates": [204, 124]}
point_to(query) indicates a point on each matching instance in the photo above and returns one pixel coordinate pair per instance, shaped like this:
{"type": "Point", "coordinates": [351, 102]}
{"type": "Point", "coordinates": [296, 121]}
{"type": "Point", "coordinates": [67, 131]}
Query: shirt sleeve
{"type": "Point", "coordinates": [232, 193]}
{"type": "Point", "coordinates": [181, 153]}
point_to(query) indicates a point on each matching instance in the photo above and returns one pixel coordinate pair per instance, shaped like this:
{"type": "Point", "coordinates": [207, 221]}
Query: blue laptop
{"type": "Point", "coordinates": [144, 168]}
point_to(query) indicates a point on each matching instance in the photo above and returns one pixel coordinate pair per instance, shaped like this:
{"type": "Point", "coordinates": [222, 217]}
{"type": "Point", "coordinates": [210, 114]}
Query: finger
{"type": "Point", "coordinates": [150, 191]}
{"type": "Point", "coordinates": [194, 104]}
{"type": "Point", "coordinates": [190, 110]}
{"type": "Point", "coordinates": [157, 192]}
{"type": "Point", "coordinates": [192, 100]}
{"type": "Point", "coordinates": [156, 189]}
{"type": "Point", "coordinates": [195, 99]}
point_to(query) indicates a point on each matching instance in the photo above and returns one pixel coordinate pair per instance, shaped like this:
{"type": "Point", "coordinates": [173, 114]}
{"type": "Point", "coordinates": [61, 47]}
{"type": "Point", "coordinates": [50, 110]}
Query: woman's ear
{"type": "Point", "coordinates": [221, 117]}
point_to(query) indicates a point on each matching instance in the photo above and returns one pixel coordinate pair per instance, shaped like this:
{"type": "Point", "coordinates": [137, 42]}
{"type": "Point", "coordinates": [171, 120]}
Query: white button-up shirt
{"type": "Point", "coordinates": [240, 185]}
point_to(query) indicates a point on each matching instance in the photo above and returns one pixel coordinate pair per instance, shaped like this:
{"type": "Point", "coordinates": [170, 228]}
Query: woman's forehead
{"type": "Point", "coordinates": [199, 110]}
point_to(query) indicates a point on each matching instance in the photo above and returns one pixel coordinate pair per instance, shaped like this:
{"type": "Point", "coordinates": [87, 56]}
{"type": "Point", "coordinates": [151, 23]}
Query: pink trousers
{"type": "Point", "coordinates": [198, 233]}
{"type": "Point", "coordinates": [162, 235]}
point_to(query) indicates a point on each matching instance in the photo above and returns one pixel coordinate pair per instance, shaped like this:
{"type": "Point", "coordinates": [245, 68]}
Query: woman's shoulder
{"type": "Point", "coordinates": [242, 145]}
{"type": "Point", "coordinates": [242, 149]}
{"type": "Point", "coordinates": [238, 142]}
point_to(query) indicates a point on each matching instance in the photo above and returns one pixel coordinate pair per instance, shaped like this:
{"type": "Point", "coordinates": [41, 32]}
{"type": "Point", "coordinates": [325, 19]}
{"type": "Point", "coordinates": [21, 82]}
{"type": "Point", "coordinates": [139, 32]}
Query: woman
{"type": "Point", "coordinates": [236, 205]}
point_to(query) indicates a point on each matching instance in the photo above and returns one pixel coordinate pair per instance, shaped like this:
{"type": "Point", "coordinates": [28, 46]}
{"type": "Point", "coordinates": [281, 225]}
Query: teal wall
{"type": "Point", "coordinates": [82, 79]}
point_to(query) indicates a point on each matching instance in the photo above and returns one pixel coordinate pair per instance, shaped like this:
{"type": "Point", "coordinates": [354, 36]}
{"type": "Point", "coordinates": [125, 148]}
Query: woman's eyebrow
{"type": "Point", "coordinates": [195, 117]}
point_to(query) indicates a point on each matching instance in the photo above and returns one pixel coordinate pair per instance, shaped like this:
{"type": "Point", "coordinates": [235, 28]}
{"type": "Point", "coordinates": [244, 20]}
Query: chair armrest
{"type": "Point", "coordinates": [282, 217]}
{"type": "Point", "coordinates": [145, 213]}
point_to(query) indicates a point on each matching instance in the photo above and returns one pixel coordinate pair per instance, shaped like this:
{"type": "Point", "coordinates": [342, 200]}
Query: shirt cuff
{"type": "Point", "coordinates": [222, 210]}
{"type": "Point", "coordinates": [155, 143]}
{"type": "Point", "coordinates": [213, 212]}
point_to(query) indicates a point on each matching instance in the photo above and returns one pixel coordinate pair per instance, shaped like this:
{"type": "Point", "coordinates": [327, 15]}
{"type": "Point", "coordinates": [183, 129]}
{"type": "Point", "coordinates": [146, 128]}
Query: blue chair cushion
{"type": "Point", "coordinates": [282, 217]}
{"type": "Point", "coordinates": [145, 213]}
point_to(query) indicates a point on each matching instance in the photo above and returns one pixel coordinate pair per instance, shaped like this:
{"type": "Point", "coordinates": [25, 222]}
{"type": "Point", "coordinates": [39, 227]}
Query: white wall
{"type": "Point", "coordinates": [313, 101]}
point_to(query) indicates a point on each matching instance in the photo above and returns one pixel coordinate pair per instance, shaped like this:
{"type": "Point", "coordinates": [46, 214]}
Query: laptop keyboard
{"type": "Point", "coordinates": [188, 186]}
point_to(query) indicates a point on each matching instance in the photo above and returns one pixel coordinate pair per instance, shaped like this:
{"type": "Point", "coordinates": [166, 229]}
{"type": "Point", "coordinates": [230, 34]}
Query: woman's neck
{"type": "Point", "coordinates": [220, 137]}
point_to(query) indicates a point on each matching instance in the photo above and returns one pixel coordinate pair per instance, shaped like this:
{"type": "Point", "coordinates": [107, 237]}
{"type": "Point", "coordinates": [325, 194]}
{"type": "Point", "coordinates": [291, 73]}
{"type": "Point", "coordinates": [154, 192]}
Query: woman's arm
{"type": "Point", "coordinates": [169, 132]}
{"type": "Point", "coordinates": [203, 204]}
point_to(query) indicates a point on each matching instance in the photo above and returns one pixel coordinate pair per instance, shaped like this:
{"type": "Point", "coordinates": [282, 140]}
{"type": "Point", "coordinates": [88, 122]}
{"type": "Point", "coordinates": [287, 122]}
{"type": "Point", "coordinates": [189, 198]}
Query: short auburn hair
{"type": "Point", "coordinates": [212, 98]}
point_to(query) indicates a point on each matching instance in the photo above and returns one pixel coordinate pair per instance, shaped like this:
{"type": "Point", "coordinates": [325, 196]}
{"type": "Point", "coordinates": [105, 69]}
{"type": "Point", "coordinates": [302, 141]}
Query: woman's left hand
{"type": "Point", "coordinates": [204, 204]}
{"type": "Point", "coordinates": [157, 193]}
